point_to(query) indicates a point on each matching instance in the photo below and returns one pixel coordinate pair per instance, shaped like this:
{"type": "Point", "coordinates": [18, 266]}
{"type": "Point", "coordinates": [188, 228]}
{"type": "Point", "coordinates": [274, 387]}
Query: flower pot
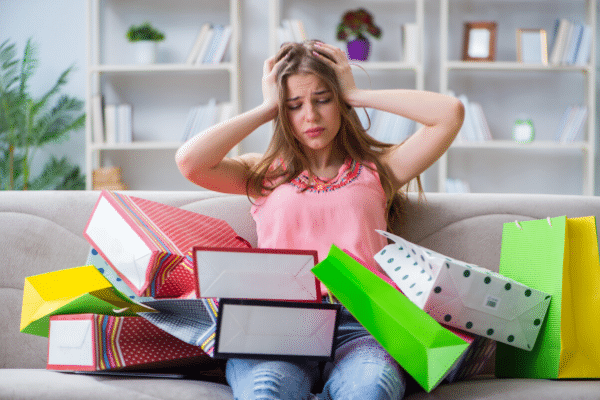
{"type": "Point", "coordinates": [358, 49]}
{"type": "Point", "coordinates": [145, 51]}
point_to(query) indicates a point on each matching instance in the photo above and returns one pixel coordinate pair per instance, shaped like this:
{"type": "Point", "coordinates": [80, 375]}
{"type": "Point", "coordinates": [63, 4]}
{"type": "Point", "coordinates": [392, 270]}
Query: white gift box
{"type": "Point", "coordinates": [463, 295]}
{"type": "Point", "coordinates": [266, 274]}
{"type": "Point", "coordinates": [276, 329]}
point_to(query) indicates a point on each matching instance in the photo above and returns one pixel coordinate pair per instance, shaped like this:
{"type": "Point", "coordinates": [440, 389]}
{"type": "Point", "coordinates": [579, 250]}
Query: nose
{"type": "Point", "coordinates": [310, 112]}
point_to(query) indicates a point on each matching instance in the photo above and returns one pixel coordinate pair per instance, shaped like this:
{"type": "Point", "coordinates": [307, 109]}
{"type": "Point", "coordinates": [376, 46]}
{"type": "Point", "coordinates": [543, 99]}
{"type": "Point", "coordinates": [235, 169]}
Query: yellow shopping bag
{"type": "Point", "coordinates": [558, 256]}
{"type": "Point", "coordinates": [71, 291]}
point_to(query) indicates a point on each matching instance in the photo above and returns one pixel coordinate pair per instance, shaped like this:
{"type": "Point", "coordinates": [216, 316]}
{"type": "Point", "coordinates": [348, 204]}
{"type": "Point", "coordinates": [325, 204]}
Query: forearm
{"type": "Point", "coordinates": [427, 108]}
{"type": "Point", "coordinates": [208, 148]}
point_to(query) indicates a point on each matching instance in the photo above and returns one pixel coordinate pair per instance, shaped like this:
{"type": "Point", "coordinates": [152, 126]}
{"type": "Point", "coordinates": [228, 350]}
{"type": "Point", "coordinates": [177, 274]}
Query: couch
{"type": "Point", "coordinates": [42, 231]}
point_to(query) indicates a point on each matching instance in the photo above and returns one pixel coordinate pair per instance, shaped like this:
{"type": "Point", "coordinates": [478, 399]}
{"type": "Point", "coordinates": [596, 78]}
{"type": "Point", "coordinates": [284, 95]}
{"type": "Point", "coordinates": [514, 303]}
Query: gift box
{"type": "Point", "coordinates": [276, 329]}
{"type": "Point", "coordinates": [464, 295]}
{"type": "Point", "coordinates": [267, 274]}
{"type": "Point", "coordinates": [144, 241]}
{"type": "Point", "coordinates": [70, 291]}
{"type": "Point", "coordinates": [93, 342]}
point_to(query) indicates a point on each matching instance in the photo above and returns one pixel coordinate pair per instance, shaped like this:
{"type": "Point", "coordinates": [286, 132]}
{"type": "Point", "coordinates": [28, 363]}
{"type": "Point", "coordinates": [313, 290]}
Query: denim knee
{"type": "Point", "coordinates": [364, 370]}
{"type": "Point", "coordinates": [269, 380]}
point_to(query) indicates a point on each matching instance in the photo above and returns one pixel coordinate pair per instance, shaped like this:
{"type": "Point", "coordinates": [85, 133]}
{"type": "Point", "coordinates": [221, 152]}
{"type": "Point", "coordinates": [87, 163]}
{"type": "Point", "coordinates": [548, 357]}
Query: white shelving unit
{"type": "Point", "coordinates": [315, 22]}
{"type": "Point", "coordinates": [543, 160]}
{"type": "Point", "coordinates": [385, 68]}
{"type": "Point", "coordinates": [161, 94]}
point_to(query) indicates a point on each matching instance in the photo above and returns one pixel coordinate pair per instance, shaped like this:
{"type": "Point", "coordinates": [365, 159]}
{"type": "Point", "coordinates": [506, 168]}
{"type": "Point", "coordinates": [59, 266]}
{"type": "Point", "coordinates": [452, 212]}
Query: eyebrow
{"type": "Point", "coordinates": [320, 92]}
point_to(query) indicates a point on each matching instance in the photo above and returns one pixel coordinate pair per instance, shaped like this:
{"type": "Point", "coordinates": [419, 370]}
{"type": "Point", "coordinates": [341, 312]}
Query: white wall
{"type": "Point", "coordinates": [58, 27]}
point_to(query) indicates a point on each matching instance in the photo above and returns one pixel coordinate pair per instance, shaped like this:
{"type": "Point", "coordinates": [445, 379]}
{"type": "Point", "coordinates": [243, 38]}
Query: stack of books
{"type": "Point", "coordinates": [475, 127]}
{"type": "Point", "coordinates": [211, 44]}
{"type": "Point", "coordinates": [571, 124]}
{"type": "Point", "coordinates": [572, 43]}
{"type": "Point", "coordinates": [206, 115]}
{"type": "Point", "coordinates": [112, 123]}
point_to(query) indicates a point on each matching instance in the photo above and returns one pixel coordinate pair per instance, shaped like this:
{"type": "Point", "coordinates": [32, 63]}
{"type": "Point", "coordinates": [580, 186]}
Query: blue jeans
{"type": "Point", "coordinates": [361, 369]}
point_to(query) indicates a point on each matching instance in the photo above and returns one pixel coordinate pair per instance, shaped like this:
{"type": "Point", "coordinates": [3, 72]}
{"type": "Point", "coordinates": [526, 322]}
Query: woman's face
{"type": "Point", "coordinates": [313, 112]}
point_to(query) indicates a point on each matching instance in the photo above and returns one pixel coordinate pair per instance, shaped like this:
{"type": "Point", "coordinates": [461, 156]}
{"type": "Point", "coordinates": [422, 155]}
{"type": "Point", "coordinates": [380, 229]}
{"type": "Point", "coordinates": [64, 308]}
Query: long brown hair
{"type": "Point", "coordinates": [284, 159]}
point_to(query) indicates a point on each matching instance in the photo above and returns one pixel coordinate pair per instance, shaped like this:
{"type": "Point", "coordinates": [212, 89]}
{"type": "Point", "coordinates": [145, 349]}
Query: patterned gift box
{"type": "Point", "coordinates": [463, 295]}
{"type": "Point", "coordinates": [93, 342]}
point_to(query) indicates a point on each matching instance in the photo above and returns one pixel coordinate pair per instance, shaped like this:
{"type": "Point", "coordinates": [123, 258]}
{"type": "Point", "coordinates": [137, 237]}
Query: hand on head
{"type": "Point", "coordinates": [269, 84]}
{"type": "Point", "coordinates": [337, 59]}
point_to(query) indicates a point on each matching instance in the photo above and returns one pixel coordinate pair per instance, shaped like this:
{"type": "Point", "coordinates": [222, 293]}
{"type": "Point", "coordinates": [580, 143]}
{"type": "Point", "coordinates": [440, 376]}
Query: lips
{"type": "Point", "coordinates": [314, 132]}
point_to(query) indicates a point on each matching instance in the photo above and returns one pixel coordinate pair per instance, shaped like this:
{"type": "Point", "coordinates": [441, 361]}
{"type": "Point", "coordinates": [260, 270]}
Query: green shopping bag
{"type": "Point", "coordinates": [558, 256]}
{"type": "Point", "coordinates": [423, 347]}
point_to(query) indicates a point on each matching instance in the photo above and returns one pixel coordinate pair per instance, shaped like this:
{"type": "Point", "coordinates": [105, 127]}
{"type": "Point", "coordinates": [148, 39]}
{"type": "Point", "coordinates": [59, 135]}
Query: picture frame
{"type": "Point", "coordinates": [479, 41]}
{"type": "Point", "coordinates": [532, 46]}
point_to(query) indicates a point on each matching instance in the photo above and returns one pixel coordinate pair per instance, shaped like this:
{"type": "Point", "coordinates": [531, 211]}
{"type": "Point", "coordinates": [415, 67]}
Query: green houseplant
{"type": "Point", "coordinates": [28, 124]}
{"type": "Point", "coordinates": [146, 38]}
{"type": "Point", "coordinates": [353, 28]}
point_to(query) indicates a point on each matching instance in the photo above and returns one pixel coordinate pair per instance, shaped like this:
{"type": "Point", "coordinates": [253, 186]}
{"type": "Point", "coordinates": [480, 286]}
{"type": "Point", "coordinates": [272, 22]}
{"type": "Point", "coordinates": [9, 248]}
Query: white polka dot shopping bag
{"type": "Point", "coordinates": [465, 296]}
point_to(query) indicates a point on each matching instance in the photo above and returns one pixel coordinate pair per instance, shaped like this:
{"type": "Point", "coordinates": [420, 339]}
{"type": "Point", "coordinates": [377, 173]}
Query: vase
{"type": "Point", "coordinates": [358, 49]}
{"type": "Point", "coordinates": [145, 51]}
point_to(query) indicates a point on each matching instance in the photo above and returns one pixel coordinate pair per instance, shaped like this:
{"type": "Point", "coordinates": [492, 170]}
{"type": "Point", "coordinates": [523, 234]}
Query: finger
{"type": "Point", "coordinates": [268, 65]}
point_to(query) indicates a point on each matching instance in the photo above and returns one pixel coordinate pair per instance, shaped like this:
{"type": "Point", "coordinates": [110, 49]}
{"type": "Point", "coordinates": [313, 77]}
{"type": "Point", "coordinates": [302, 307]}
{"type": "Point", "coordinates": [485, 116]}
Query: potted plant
{"type": "Point", "coordinates": [28, 124]}
{"type": "Point", "coordinates": [352, 29]}
{"type": "Point", "coordinates": [146, 39]}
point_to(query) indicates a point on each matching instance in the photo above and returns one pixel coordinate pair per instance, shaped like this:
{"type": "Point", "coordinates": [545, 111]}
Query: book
{"type": "Point", "coordinates": [200, 39]}
{"type": "Point", "coordinates": [125, 123]}
{"type": "Point", "coordinates": [205, 46]}
{"type": "Point", "coordinates": [571, 124]}
{"type": "Point", "coordinates": [482, 128]}
{"type": "Point", "coordinates": [218, 31]}
{"type": "Point", "coordinates": [222, 45]}
{"type": "Point", "coordinates": [573, 43]}
{"type": "Point", "coordinates": [585, 45]}
{"type": "Point", "coordinates": [98, 118]}
{"type": "Point", "coordinates": [110, 123]}
{"type": "Point", "coordinates": [410, 43]}
{"type": "Point", "coordinates": [560, 41]}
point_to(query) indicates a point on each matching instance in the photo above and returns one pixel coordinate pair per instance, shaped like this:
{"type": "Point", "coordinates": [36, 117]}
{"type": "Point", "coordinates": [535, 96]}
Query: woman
{"type": "Point", "coordinates": [323, 180]}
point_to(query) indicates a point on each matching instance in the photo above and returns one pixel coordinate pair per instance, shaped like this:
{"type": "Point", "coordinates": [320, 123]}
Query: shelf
{"type": "Point", "coordinates": [386, 65]}
{"type": "Point", "coordinates": [513, 66]}
{"type": "Point", "coordinates": [137, 146]}
{"type": "Point", "coordinates": [161, 68]}
{"type": "Point", "coordinates": [511, 145]}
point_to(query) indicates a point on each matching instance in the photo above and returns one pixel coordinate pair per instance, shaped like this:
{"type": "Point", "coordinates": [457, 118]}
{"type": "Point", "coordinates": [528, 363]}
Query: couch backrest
{"type": "Point", "coordinates": [42, 232]}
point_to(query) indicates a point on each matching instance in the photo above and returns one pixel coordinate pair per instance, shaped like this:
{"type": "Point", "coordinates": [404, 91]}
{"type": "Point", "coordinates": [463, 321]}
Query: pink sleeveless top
{"type": "Point", "coordinates": [344, 211]}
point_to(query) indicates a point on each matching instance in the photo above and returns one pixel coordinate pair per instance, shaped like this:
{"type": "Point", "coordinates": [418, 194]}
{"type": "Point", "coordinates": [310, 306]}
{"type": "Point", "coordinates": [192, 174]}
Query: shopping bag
{"type": "Point", "coordinates": [70, 291]}
{"type": "Point", "coordinates": [192, 321]}
{"type": "Point", "coordinates": [559, 256]}
{"type": "Point", "coordinates": [463, 295]}
{"type": "Point", "coordinates": [473, 360]}
{"type": "Point", "coordinates": [424, 348]}
{"type": "Point", "coordinates": [276, 330]}
{"type": "Point", "coordinates": [265, 274]}
{"type": "Point", "coordinates": [93, 342]}
{"type": "Point", "coordinates": [145, 240]}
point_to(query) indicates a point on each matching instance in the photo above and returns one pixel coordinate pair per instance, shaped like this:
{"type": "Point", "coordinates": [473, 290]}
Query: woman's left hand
{"type": "Point", "coordinates": [340, 65]}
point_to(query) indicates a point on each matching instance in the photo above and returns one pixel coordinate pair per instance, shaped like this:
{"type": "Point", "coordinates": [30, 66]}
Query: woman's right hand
{"type": "Point", "coordinates": [269, 85]}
